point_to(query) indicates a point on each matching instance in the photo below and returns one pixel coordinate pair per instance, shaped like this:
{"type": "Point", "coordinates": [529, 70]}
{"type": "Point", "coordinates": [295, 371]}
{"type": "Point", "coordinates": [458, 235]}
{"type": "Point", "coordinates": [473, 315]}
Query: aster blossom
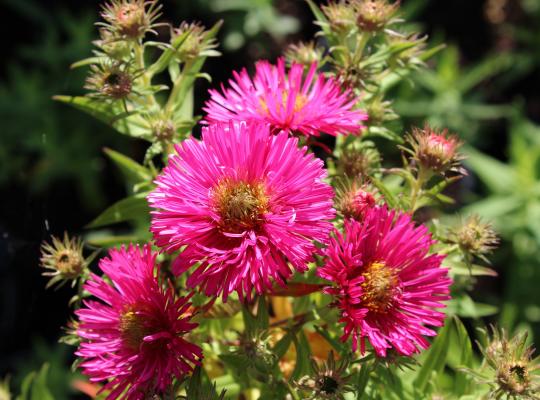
{"type": "Point", "coordinates": [386, 285]}
{"type": "Point", "coordinates": [287, 101]}
{"type": "Point", "coordinates": [132, 337]}
{"type": "Point", "coordinates": [248, 206]}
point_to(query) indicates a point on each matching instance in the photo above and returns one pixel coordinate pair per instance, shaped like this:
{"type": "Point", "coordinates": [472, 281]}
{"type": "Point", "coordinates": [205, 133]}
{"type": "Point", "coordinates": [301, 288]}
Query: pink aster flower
{"type": "Point", "coordinates": [386, 284]}
{"type": "Point", "coordinates": [247, 205]}
{"type": "Point", "coordinates": [287, 101]}
{"type": "Point", "coordinates": [132, 337]}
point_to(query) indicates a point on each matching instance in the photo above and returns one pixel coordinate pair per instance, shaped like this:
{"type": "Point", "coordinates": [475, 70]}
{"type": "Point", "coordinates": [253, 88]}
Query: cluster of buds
{"type": "Point", "coordinates": [63, 260]}
{"type": "Point", "coordinates": [364, 15]}
{"type": "Point", "coordinates": [130, 19]}
{"type": "Point", "coordinates": [435, 151]}
{"type": "Point", "coordinates": [474, 237]}
{"type": "Point", "coordinates": [329, 381]}
{"type": "Point", "coordinates": [516, 373]}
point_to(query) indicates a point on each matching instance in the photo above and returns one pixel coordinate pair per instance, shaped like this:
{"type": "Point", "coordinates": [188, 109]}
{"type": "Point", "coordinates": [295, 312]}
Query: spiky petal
{"type": "Point", "coordinates": [385, 282]}
{"type": "Point", "coordinates": [247, 204]}
{"type": "Point", "coordinates": [287, 101]}
{"type": "Point", "coordinates": [133, 337]}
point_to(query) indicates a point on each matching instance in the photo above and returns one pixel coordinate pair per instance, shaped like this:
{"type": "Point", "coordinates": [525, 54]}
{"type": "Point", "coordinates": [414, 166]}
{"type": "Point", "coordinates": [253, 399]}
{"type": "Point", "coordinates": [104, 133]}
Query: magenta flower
{"type": "Point", "coordinates": [247, 205]}
{"type": "Point", "coordinates": [133, 336]}
{"type": "Point", "coordinates": [287, 101]}
{"type": "Point", "coordinates": [386, 284]}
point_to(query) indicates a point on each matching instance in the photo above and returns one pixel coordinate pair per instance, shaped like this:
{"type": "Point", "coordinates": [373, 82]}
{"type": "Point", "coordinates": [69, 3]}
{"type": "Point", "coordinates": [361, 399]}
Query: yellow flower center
{"type": "Point", "coordinates": [299, 102]}
{"type": "Point", "coordinates": [379, 287]}
{"type": "Point", "coordinates": [133, 329]}
{"type": "Point", "coordinates": [240, 205]}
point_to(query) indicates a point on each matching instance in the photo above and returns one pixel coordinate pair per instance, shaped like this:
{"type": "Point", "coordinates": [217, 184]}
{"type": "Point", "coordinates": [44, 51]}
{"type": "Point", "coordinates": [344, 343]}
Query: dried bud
{"type": "Point", "coordinates": [190, 42]}
{"type": "Point", "coordinates": [435, 151]}
{"type": "Point", "coordinates": [358, 162]}
{"type": "Point", "coordinates": [63, 259]}
{"type": "Point", "coordinates": [110, 81]}
{"type": "Point", "coordinates": [374, 15]}
{"type": "Point", "coordinates": [516, 372]}
{"type": "Point", "coordinates": [354, 200]}
{"type": "Point", "coordinates": [340, 15]}
{"type": "Point", "coordinates": [130, 19]}
{"type": "Point", "coordinates": [328, 382]}
{"type": "Point", "coordinates": [303, 53]}
{"type": "Point", "coordinates": [474, 236]}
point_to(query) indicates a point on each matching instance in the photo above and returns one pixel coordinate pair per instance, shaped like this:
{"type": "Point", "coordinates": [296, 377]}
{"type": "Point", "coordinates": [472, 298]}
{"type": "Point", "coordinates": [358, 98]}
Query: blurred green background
{"type": "Point", "coordinates": [484, 86]}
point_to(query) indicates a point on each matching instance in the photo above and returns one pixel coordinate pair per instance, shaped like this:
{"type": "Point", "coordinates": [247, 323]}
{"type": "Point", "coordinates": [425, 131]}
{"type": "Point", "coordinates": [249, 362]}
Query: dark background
{"type": "Point", "coordinates": [54, 176]}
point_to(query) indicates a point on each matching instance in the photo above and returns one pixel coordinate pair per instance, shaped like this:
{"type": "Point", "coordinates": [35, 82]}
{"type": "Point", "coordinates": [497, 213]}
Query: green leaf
{"type": "Point", "coordinates": [435, 360]}
{"type": "Point", "coordinates": [127, 123]}
{"type": "Point", "coordinates": [464, 306]}
{"type": "Point", "coordinates": [462, 381]}
{"type": "Point", "coordinates": [460, 268]}
{"type": "Point", "coordinates": [303, 353]}
{"type": "Point", "coordinates": [34, 386]}
{"type": "Point", "coordinates": [130, 208]}
{"type": "Point", "coordinates": [132, 171]}
{"type": "Point", "coordinates": [388, 196]}
{"type": "Point", "coordinates": [497, 176]}
{"type": "Point", "coordinates": [112, 240]}
{"type": "Point", "coordinates": [283, 344]}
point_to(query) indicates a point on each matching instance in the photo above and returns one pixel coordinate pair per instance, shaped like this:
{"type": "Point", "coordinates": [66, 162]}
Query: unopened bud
{"type": "Point", "coordinates": [303, 53]}
{"type": "Point", "coordinates": [474, 236]}
{"type": "Point", "coordinates": [190, 42]}
{"type": "Point", "coordinates": [515, 370]}
{"type": "Point", "coordinates": [328, 381]}
{"type": "Point", "coordinates": [374, 15]}
{"type": "Point", "coordinates": [130, 19]}
{"type": "Point", "coordinates": [358, 162]}
{"type": "Point", "coordinates": [340, 15]}
{"type": "Point", "coordinates": [109, 81]}
{"type": "Point", "coordinates": [435, 151]}
{"type": "Point", "coordinates": [164, 130]}
{"type": "Point", "coordinates": [63, 259]}
{"type": "Point", "coordinates": [354, 200]}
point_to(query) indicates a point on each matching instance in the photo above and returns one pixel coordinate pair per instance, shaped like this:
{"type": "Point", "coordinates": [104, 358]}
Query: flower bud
{"type": "Point", "coordinates": [358, 162]}
{"type": "Point", "coordinates": [354, 200]}
{"type": "Point", "coordinates": [328, 381]}
{"type": "Point", "coordinates": [474, 236]}
{"type": "Point", "coordinates": [373, 15]}
{"type": "Point", "coordinates": [340, 15]}
{"type": "Point", "coordinates": [435, 151]}
{"type": "Point", "coordinates": [130, 19]}
{"type": "Point", "coordinates": [515, 371]}
{"type": "Point", "coordinates": [109, 81]}
{"type": "Point", "coordinates": [190, 42]}
{"type": "Point", "coordinates": [303, 53]}
{"type": "Point", "coordinates": [164, 130]}
{"type": "Point", "coordinates": [63, 259]}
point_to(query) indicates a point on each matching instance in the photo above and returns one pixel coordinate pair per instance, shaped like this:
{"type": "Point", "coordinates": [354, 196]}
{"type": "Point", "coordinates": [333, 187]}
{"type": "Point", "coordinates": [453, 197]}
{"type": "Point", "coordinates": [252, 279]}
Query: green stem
{"type": "Point", "coordinates": [416, 193]}
{"type": "Point", "coordinates": [177, 85]}
{"type": "Point", "coordinates": [139, 62]}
